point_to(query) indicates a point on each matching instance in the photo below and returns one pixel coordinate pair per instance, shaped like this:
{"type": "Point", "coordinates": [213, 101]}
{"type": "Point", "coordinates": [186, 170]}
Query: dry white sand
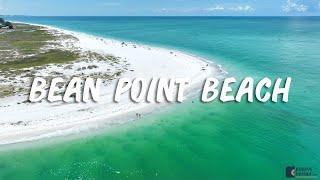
{"type": "Point", "coordinates": [26, 122]}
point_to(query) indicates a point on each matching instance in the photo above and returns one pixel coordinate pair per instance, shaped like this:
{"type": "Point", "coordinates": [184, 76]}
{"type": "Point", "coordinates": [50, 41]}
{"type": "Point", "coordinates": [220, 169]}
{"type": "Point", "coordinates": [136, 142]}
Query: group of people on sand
{"type": "Point", "coordinates": [138, 115]}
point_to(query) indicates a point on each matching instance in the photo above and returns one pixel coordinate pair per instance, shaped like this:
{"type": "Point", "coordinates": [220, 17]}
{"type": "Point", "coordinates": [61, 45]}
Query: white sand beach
{"type": "Point", "coordinates": [20, 122]}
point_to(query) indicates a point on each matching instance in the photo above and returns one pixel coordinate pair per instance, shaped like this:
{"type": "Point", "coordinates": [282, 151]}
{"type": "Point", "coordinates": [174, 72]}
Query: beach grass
{"type": "Point", "coordinates": [50, 57]}
{"type": "Point", "coordinates": [30, 48]}
{"type": "Point", "coordinates": [25, 38]}
{"type": "Point", "coordinates": [28, 42]}
{"type": "Point", "coordinates": [6, 91]}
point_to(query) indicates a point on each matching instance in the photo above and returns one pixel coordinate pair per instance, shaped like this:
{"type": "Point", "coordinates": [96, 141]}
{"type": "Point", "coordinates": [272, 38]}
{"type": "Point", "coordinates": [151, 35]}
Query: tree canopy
{"type": "Point", "coordinates": [2, 21]}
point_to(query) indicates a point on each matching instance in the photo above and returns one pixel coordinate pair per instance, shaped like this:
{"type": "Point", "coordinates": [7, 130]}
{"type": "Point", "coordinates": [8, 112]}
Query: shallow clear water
{"type": "Point", "coordinates": [195, 140]}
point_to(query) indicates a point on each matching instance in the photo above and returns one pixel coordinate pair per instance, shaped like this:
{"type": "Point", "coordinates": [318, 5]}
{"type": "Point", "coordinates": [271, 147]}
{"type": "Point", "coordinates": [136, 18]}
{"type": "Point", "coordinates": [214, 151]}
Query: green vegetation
{"type": "Point", "coordinates": [52, 56]}
{"type": "Point", "coordinates": [27, 42]}
{"type": "Point", "coordinates": [6, 91]}
{"type": "Point", "coordinates": [25, 38]}
{"type": "Point", "coordinates": [26, 47]}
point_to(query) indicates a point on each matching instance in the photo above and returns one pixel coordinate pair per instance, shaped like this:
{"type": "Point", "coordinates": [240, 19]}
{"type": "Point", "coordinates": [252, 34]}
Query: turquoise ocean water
{"type": "Point", "coordinates": [198, 141]}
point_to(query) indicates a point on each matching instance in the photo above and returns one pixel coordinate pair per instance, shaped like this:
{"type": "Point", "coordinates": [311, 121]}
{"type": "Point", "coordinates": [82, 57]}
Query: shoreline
{"type": "Point", "coordinates": [57, 119]}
